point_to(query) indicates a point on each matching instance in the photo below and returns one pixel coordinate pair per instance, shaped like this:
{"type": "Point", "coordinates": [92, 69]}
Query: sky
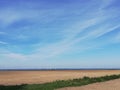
{"type": "Point", "coordinates": [59, 34]}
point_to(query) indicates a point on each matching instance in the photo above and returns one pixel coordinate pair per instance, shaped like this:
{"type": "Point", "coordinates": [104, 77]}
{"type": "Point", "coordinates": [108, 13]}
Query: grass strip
{"type": "Point", "coordinates": [61, 83]}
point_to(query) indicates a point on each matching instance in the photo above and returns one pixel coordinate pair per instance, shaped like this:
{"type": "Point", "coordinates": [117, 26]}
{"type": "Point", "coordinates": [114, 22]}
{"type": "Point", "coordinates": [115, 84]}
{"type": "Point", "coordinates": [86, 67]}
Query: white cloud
{"type": "Point", "coordinates": [2, 33]}
{"type": "Point", "coordinates": [106, 3]}
{"type": "Point", "coordinates": [22, 37]}
{"type": "Point", "coordinates": [103, 30]}
{"type": "Point", "coordinates": [116, 39]}
{"type": "Point", "coordinates": [1, 42]}
{"type": "Point", "coordinates": [11, 15]}
{"type": "Point", "coordinates": [68, 43]}
{"type": "Point", "coordinates": [14, 56]}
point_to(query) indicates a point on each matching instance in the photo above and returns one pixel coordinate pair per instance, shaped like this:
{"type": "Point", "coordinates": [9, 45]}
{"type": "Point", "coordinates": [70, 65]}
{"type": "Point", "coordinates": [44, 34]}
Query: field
{"type": "Point", "coordinates": [56, 85]}
{"type": "Point", "coordinates": [108, 85]}
{"type": "Point", "coordinates": [37, 77]}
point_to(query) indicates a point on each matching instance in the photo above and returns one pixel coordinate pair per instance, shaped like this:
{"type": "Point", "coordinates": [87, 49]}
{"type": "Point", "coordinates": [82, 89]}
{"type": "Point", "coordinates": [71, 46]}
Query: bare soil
{"type": "Point", "coordinates": [108, 85]}
{"type": "Point", "coordinates": [36, 77]}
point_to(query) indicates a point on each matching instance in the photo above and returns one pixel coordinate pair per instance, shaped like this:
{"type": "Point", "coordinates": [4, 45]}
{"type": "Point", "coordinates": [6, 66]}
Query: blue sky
{"type": "Point", "coordinates": [59, 34]}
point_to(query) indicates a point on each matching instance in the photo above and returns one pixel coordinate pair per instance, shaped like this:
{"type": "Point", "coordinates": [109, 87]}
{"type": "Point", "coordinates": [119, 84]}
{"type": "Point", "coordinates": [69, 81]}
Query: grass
{"type": "Point", "coordinates": [60, 83]}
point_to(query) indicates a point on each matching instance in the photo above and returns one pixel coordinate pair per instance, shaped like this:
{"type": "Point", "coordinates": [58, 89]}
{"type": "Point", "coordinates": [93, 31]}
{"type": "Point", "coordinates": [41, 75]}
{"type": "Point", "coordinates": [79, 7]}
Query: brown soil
{"type": "Point", "coordinates": [108, 85]}
{"type": "Point", "coordinates": [35, 77]}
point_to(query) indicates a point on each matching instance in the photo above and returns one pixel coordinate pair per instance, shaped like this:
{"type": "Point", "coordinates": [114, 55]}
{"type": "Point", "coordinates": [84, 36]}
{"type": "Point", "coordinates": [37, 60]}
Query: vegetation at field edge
{"type": "Point", "coordinates": [60, 83]}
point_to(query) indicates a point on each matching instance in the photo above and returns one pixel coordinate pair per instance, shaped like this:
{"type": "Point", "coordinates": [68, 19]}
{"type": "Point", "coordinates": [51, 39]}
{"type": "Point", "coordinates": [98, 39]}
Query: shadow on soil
{"type": "Point", "coordinates": [17, 87]}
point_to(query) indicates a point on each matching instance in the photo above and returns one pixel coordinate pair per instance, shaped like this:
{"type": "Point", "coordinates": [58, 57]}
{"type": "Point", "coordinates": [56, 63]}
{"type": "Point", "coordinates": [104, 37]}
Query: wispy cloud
{"type": "Point", "coordinates": [106, 3]}
{"type": "Point", "coordinates": [1, 42]}
{"type": "Point", "coordinates": [116, 39]}
{"type": "Point", "coordinates": [66, 29]}
{"type": "Point", "coordinates": [14, 56]}
{"type": "Point", "coordinates": [70, 39]}
{"type": "Point", "coordinates": [3, 33]}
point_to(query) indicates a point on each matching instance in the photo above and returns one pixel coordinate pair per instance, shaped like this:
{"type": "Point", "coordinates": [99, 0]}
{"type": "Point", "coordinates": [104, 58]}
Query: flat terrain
{"type": "Point", "coordinates": [108, 85]}
{"type": "Point", "coordinates": [35, 77]}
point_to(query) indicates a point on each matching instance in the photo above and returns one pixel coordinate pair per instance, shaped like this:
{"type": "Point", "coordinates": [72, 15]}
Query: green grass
{"type": "Point", "coordinates": [60, 83]}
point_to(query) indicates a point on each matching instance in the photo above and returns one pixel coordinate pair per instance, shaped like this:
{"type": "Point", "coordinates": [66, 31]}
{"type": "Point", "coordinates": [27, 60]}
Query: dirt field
{"type": "Point", "coordinates": [34, 77]}
{"type": "Point", "coordinates": [108, 85]}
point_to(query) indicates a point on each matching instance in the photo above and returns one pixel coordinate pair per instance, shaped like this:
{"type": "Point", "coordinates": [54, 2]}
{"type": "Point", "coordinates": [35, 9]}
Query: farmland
{"type": "Point", "coordinates": [38, 77]}
{"type": "Point", "coordinates": [68, 83]}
